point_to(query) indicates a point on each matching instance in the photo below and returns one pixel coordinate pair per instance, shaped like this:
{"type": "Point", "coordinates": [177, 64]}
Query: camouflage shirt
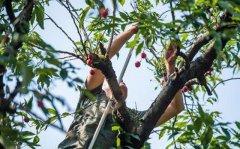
{"type": "Point", "coordinates": [86, 121]}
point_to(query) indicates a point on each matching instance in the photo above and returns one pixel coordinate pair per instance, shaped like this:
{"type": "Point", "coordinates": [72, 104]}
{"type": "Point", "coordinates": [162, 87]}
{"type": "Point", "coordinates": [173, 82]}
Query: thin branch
{"type": "Point", "coordinates": [172, 13]}
{"type": "Point", "coordinates": [71, 54]}
{"type": "Point", "coordinates": [83, 27]}
{"type": "Point", "coordinates": [15, 92]}
{"type": "Point", "coordinates": [63, 31]}
{"type": "Point", "coordinates": [74, 21]}
{"type": "Point", "coordinates": [59, 51]}
{"type": "Point", "coordinates": [222, 82]}
{"type": "Point", "coordinates": [153, 53]}
{"type": "Point", "coordinates": [39, 118]}
{"type": "Point", "coordinates": [202, 40]}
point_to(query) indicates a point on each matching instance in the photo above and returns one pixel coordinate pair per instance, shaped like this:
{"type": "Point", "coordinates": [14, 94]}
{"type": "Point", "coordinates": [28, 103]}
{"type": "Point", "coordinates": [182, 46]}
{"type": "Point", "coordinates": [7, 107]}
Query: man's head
{"type": "Point", "coordinates": [108, 92]}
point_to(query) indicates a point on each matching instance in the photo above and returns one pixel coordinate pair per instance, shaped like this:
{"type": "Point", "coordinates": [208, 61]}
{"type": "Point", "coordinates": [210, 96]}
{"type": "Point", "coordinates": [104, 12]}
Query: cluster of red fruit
{"type": "Point", "coordinates": [90, 62]}
{"type": "Point", "coordinates": [39, 104]}
{"type": "Point", "coordinates": [26, 119]}
{"type": "Point", "coordinates": [187, 88]}
{"type": "Point", "coordinates": [138, 63]}
{"type": "Point", "coordinates": [103, 12]}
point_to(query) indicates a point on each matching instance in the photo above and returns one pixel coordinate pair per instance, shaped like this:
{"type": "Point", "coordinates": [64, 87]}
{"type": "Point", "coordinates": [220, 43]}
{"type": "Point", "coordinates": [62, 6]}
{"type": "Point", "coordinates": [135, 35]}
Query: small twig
{"type": "Point", "coordinates": [63, 31]}
{"type": "Point", "coordinates": [187, 63]}
{"type": "Point", "coordinates": [172, 13]}
{"type": "Point", "coordinates": [221, 82]}
{"type": "Point", "coordinates": [15, 92]}
{"type": "Point", "coordinates": [71, 54]}
{"type": "Point", "coordinates": [153, 53]}
{"type": "Point", "coordinates": [83, 28]}
{"type": "Point", "coordinates": [79, 33]}
{"type": "Point", "coordinates": [173, 125]}
{"type": "Point", "coordinates": [202, 81]}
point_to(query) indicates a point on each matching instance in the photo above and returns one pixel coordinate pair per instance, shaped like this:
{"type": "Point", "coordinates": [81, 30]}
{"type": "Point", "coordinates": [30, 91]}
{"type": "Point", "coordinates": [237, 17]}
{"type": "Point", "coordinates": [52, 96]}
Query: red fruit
{"type": "Point", "coordinates": [90, 56]}
{"type": "Point", "coordinates": [143, 55]}
{"type": "Point", "coordinates": [40, 104]}
{"type": "Point", "coordinates": [103, 12]}
{"type": "Point", "coordinates": [92, 72]}
{"type": "Point", "coordinates": [185, 89]}
{"type": "Point", "coordinates": [26, 119]}
{"type": "Point", "coordinates": [189, 87]}
{"type": "Point", "coordinates": [89, 61]}
{"type": "Point", "coordinates": [137, 64]}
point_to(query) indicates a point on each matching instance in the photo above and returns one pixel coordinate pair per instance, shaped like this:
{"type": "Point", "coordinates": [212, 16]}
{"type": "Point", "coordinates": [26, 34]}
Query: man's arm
{"type": "Point", "coordinates": [177, 105]}
{"type": "Point", "coordinates": [95, 80]}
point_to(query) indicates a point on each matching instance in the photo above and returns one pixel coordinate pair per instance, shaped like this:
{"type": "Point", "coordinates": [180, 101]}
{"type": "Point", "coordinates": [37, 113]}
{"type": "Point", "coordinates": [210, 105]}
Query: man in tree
{"type": "Point", "coordinates": [88, 113]}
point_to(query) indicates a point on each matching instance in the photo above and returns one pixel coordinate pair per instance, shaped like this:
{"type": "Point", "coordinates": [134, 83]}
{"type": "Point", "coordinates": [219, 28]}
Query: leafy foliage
{"type": "Point", "coordinates": [33, 67]}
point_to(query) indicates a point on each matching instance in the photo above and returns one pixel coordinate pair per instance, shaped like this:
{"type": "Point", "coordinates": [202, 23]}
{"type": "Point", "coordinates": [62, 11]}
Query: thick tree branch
{"type": "Point", "coordinates": [175, 83]}
{"type": "Point", "coordinates": [123, 115]}
{"type": "Point", "coordinates": [206, 37]}
{"type": "Point", "coordinates": [9, 10]}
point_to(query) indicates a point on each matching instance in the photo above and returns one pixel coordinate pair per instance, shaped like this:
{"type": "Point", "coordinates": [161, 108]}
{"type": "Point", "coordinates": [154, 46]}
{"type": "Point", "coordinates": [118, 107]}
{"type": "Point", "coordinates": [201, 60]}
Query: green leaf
{"type": "Point", "coordinates": [36, 140]}
{"type": "Point", "coordinates": [26, 134]}
{"type": "Point", "coordinates": [116, 128]}
{"type": "Point", "coordinates": [90, 3]}
{"type": "Point", "coordinates": [225, 131]}
{"type": "Point", "coordinates": [63, 74]}
{"type": "Point", "coordinates": [51, 119]}
{"type": "Point", "coordinates": [40, 15]}
{"type": "Point", "coordinates": [146, 146]}
{"type": "Point", "coordinates": [84, 14]}
{"type": "Point", "coordinates": [207, 137]}
{"type": "Point", "coordinates": [53, 61]}
{"type": "Point", "coordinates": [118, 141]}
{"type": "Point", "coordinates": [121, 2]}
{"type": "Point", "coordinates": [197, 124]}
{"type": "Point", "coordinates": [124, 16]}
{"type": "Point", "coordinates": [238, 125]}
{"type": "Point", "coordinates": [162, 132]}
{"type": "Point", "coordinates": [29, 103]}
{"type": "Point", "coordinates": [133, 42]}
{"type": "Point", "coordinates": [87, 93]}
{"type": "Point", "coordinates": [139, 48]}
{"type": "Point", "coordinates": [51, 111]}
{"type": "Point", "coordinates": [201, 112]}
{"type": "Point", "coordinates": [65, 114]}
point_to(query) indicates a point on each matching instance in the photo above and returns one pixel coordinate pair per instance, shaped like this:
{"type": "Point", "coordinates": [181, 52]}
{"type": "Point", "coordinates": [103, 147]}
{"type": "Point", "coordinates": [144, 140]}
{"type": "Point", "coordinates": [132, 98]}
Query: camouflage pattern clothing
{"type": "Point", "coordinates": [86, 121]}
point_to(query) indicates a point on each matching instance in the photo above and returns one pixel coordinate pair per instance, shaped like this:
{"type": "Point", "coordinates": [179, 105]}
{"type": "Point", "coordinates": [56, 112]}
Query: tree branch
{"type": "Point", "coordinates": [9, 9]}
{"type": "Point", "coordinates": [174, 84]}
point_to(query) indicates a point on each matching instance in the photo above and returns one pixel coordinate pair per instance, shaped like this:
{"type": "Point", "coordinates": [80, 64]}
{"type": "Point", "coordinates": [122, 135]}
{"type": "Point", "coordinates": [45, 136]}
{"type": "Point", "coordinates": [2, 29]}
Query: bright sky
{"type": "Point", "coordinates": [140, 87]}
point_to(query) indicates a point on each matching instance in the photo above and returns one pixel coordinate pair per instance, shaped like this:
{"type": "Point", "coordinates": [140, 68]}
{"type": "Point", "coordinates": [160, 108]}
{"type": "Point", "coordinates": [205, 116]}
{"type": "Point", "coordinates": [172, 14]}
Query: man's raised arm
{"type": "Point", "coordinates": [95, 80]}
{"type": "Point", "coordinates": [177, 105]}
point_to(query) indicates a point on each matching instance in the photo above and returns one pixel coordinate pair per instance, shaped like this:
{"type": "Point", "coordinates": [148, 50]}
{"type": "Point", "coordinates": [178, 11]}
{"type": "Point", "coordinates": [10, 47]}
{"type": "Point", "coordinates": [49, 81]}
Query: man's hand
{"type": "Point", "coordinates": [134, 28]}
{"type": "Point", "coordinates": [170, 57]}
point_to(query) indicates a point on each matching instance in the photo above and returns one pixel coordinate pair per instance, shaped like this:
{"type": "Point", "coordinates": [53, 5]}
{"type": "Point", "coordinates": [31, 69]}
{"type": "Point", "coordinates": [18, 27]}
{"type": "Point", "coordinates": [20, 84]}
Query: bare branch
{"type": "Point", "coordinates": [222, 82]}
{"type": "Point", "coordinates": [51, 19]}
{"type": "Point", "coordinates": [201, 41]}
